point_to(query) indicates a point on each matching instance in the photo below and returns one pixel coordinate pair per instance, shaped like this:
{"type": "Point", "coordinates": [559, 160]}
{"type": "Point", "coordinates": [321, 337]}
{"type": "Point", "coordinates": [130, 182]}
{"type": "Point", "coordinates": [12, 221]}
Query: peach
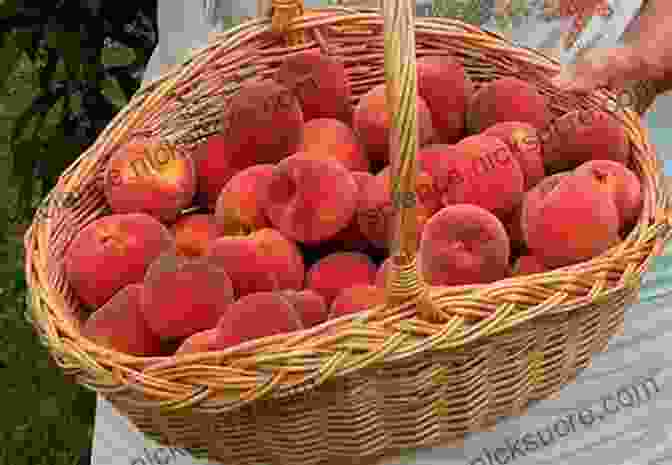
{"type": "Point", "coordinates": [372, 124]}
{"type": "Point", "coordinates": [184, 295]}
{"type": "Point", "coordinates": [513, 226]}
{"type": "Point", "coordinates": [202, 341]}
{"type": "Point", "coordinates": [120, 325]}
{"type": "Point", "coordinates": [351, 237]}
{"type": "Point", "coordinates": [362, 178]}
{"type": "Point", "coordinates": [263, 122]}
{"type": "Point", "coordinates": [381, 274]}
{"type": "Point", "coordinates": [621, 182]}
{"type": "Point", "coordinates": [356, 299]}
{"type": "Point", "coordinates": [310, 306]}
{"type": "Point", "coordinates": [464, 244]}
{"type": "Point", "coordinates": [310, 200]}
{"type": "Point", "coordinates": [337, 271]}
{"type": "Point", "coordinates": [215, 165]}
{"type": "Point", "coordinates": [566, 220]}
{"type": "Point", "coordinates": [193, 233]}
{"type": "Point", "coordinates": [116, 249]}
{"type": "Point", "coordinates": [239, 208]}
{"type": "Point", "coordinates": [255, 316]}
{"type": "Point", "coordinates": [331, 138]}
{"type": "Point", "coordinates": [507, 99]}
{"type": "Point", "coordinates": [425, 188]}
{"type": "Point", "coordinates": [376, 213]}
{"type": "Point", "coordinates": [583, 135]}
{"type": "Point", "coordinates": [481, 170]}
{"type": "Point", "coordinates": [243, 263]}
{"type": "Point", "coordinates": [320, 83]}
{"type": "Point", "coordinates": [282, 256]}
{"type": "Point", "coordinates": [524, 143]}
{"type": "Point", "coordinates": [528, 264]}
{"type": "Point", "coordinates": [446, 88]}
{"type": "Point", "coordinates": [429, 158]}
{"type": "Point", "coordinates": [147, 175]}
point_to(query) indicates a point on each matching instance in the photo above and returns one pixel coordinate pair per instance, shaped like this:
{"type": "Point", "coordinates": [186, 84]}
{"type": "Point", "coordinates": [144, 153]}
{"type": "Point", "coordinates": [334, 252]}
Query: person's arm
{"type": "Point", "coordinates": [649, 36]}
{"type": "Point", "coordinates": [643, 64]}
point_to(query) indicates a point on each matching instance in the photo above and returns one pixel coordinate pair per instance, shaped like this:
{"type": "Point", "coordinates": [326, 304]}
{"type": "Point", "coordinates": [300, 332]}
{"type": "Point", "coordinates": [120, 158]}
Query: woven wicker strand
{"type": "Point", "coordinates": [427, 367]}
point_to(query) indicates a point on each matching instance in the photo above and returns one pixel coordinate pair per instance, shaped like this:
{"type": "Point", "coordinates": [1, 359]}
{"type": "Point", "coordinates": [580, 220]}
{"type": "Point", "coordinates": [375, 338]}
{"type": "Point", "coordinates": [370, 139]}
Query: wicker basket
{"type": "Point", "coordinates": [424, 369]}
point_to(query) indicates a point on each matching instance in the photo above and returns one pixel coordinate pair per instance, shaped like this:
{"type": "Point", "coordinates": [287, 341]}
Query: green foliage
{"type": "Point", "coordinates": [67, 68]}
{"type": "Point", "coordinates": [468, 11]}
{"type": "Point", "coordinates": [63, 50]}
{"type": "Point", "coordinates": [476, 12]}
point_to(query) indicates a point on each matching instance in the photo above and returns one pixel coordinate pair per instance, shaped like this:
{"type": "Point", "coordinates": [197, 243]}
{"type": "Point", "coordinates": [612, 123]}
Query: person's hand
{"type": "Point", "coordinates": [617, 68]}
{"type": "Point", "coordinates": [614, 67]}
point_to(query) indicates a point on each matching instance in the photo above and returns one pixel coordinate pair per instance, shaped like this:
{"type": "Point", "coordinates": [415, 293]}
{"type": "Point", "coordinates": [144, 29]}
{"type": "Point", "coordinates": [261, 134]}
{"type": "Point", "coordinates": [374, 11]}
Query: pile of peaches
{"type": "Point", "coordinates": [282, 220]}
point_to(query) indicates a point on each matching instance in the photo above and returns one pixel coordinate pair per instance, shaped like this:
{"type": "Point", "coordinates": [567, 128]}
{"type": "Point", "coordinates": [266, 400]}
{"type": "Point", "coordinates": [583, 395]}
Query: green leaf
{"type": "Point", "coordinates": [503, 21]}
{"type": "Point", "coordinates": [24, 39]}
{"type": "Point", "coordinates": [10, 54]}
{"type": "Point", "coordinates": [70, 43]}
{"type": "Point", "coordinates": [8, 8]}
{"type": "Point", "coordinates": [38, 108]}
{"type": "Point", "coordinates": [26, 151]}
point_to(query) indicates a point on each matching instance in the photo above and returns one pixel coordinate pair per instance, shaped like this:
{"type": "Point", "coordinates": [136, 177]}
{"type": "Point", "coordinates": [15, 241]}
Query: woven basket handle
{"type": "Point", "coordinates": [400, 76]}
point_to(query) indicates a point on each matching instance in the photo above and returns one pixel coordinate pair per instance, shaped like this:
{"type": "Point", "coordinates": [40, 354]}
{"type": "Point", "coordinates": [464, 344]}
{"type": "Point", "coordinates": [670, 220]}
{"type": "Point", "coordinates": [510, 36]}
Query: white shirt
{"type": "Point", "coordinates": [185, 25]}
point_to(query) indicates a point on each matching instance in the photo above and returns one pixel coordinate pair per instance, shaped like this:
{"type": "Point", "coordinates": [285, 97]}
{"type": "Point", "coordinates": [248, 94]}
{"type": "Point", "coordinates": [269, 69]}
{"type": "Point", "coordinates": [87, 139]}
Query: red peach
{"type": "Point", "coordinates": [147, 175]}
{"type": "Point", "coordinates": [310, 306]}
{"type": "Point", "coordinates": [320, 83]}
{"type": "Point", "coordinates": [244, 264]}
{"type": "Point", "coordinates": [239, 209]}
{"type": "Point", "coordinates": [202, 341]}
{"type": "Point", "coordinates": [282, 256]}
{"type": "Point", "coordinates": [193, 233]}
{"type": "Point", "coordinates": [381, 274]}
{"type": "Point", "coordinates": [481, 171]}
{"type": "Point", "coordinates": [525, 144]}
{"type": "Point", "coordinates": [356, 299]}
{"type": "Point", "coordinates": [567, 220]}
{"type": "Point", "coordinates": [263, 122]}
{"type": "Point", "coordinates": [376, 214]}
{"type": "Point", "coordinates": [583, 135]}
{"type": "Point", "coordinates": [337, 271]}
{"type": "Point", "coordinates": [216, 164]}
{"type": "Point", "coordinates": [184, 295]}
{"type": "Point", "coordinates": [464, 244]}
{"type": "Point", "coordinates": [446, 87]}
{"type": "Point", "coordinates": [116, 249]}
{"type": "Point", "coordinates": [351, 237]}
{"type": "Point", "coordinates": [331, 138]}
{"type": "Point", "coordinates": [120, 325]}
{"type": "Point", "coordinates": [507, 99]}
{"type": "Point", "coordinates": [372, 123]}
{"type": "Point", "coordinates": [621, 182]}
{"type": "Point", "coordinates": [310, 200]}
{"type": "Point", "coordinates": [255, 316]}
{"type": "Point", "coordinates": [528, 264]}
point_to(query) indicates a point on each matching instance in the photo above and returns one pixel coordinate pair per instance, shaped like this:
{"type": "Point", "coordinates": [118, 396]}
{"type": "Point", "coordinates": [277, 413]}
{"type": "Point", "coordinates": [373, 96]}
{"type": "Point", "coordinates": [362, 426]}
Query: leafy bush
{"type": "Point", "coordinates": [85, 59]}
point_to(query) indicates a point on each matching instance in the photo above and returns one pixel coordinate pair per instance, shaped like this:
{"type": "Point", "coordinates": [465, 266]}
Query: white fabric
{"type": "Point", "coordinates": [185, 25]}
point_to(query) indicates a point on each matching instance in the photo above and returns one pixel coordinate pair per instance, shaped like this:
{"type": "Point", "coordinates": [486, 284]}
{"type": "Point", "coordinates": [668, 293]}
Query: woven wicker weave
{"type": "Point", "coordinates": [428, 367]}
